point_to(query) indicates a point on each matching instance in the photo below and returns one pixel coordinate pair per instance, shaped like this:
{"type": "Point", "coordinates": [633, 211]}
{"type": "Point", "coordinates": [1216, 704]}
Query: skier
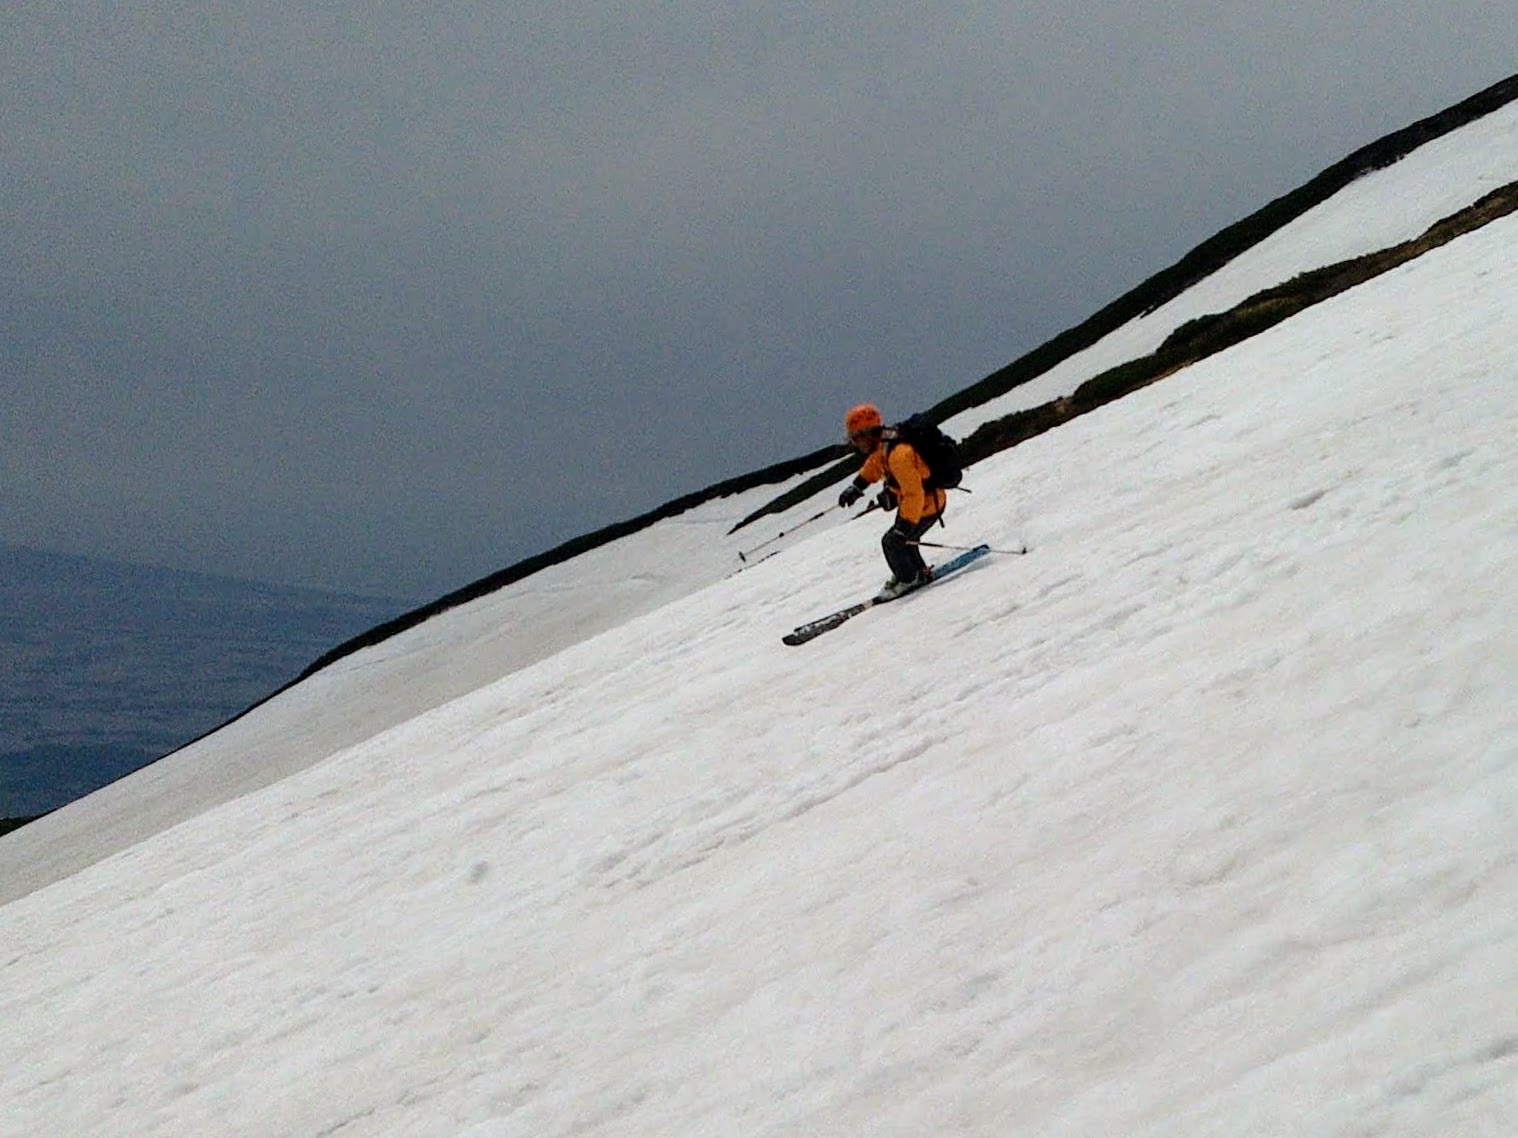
{"type": "Point", "coordinates": [917, 507]}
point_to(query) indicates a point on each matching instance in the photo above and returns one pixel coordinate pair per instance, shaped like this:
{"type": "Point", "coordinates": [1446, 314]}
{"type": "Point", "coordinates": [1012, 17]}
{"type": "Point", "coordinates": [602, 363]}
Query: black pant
{"type": "Point", "coordinates": [906, 560]}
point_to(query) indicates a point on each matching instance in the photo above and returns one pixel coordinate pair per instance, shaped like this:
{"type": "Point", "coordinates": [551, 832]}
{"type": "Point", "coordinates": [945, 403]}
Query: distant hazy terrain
{"type": "Point", "coordinates": [105, 667]}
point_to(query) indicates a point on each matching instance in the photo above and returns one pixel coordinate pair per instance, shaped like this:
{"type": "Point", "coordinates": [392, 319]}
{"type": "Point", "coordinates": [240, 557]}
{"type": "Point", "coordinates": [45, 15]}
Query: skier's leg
{"type": "Point", "coordinates": [904, 558]}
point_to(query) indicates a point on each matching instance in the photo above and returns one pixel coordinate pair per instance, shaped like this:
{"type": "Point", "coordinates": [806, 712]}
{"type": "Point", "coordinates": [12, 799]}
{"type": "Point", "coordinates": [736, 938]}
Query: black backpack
{"type": "Point", "coordinates": [945, 468]}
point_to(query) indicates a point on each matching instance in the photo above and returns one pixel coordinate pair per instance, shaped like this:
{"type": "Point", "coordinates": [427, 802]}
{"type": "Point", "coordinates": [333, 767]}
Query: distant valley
{"type": "Point", "coordinates": [105, 667]}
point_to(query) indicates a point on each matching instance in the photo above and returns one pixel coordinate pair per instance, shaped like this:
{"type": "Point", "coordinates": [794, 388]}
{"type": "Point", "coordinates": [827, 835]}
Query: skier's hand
{"type": "Point", "coordinates": [851, 494]}
{"type": "Point", "coordinates": [886, 499]}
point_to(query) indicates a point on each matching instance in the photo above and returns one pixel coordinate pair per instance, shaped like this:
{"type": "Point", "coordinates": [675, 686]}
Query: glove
{"type": "Point", "coordinates": [886, 499]}
{"type": "Point", "coordinates": [851, 494]}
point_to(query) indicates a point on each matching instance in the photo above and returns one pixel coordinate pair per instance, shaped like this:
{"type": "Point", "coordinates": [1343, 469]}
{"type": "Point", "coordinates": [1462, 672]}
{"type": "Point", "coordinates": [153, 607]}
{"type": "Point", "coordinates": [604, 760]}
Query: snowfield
{"type": "Point", "coordinates": [462, 650]}
{"type": "Point", "coordinates": [1199, 819]}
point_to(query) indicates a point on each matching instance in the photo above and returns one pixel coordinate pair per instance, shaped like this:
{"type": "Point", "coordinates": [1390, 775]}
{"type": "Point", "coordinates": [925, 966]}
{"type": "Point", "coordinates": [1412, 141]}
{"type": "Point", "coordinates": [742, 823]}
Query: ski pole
{"type": "Point", "coordinates": [784, 533]}
{"type": "Point", "coordinates": [967, 548]}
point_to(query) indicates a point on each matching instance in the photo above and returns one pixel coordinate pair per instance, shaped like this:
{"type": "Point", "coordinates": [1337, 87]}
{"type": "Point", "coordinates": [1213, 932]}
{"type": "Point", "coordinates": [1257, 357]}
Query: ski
{"type": "Point", "coordinates": [815, 628]}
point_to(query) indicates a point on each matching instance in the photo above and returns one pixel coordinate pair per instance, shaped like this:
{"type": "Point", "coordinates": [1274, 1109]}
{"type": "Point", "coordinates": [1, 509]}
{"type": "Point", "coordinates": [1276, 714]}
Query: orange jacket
{"type": "Point", "coordinates": [903, 472]}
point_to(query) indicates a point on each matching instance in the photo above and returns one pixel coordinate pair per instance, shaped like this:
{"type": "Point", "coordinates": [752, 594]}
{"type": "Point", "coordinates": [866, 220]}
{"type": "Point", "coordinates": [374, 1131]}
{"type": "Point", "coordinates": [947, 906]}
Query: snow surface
{"type": "Point", "coordinates": [372, 691]}
{"type": "Point", "coordinates": [1201, 818]}
{"type": "Point", "coordinates": [462, 650]}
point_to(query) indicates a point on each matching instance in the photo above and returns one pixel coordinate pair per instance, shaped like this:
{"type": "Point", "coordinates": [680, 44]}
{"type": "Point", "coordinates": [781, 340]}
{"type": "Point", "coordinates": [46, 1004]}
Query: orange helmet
{"type": "Point", "coordinates": [865, 417]}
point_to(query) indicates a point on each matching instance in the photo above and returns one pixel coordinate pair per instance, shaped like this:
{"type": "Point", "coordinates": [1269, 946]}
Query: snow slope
{"type": "Point", "coordinates": [1199, 819]}
{"type": "Point", "coordinates": [369, 692]}
{"type": "Point", "coordinates": [455, 654]}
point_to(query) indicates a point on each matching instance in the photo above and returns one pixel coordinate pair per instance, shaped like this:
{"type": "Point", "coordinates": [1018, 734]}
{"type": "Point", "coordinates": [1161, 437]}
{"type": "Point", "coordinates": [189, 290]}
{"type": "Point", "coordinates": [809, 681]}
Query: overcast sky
{"type": "Point", "coordinates": [386, 296]}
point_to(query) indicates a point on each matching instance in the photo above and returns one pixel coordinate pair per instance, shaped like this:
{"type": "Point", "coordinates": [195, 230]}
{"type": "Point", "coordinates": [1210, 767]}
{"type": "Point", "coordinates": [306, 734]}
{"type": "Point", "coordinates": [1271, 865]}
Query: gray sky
{"type": "Point", "coordinates": [389, 295]}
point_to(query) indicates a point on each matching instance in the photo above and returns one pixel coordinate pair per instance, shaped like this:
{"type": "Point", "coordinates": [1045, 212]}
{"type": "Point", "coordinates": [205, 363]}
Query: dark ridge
{"type": "Point", "coordinates": [1218, 250]}
{"type": "Point", "coordinates": [9, 824]}
{"type": "Point", "coordinates": [1195, 266]}
{"type": "Point", "coordinates": [777, 472]}
{"type": "Point", "coordinates": [844, 465]}
{"type": "Point", "coordinates": [1207, 335]}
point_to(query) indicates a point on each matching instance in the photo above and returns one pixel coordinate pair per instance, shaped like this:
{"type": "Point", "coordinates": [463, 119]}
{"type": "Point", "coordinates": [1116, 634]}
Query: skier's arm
{"type": "Point", "coordinates": [873, 470]}
{"type": "Point", "coordinates": [852, 493]}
